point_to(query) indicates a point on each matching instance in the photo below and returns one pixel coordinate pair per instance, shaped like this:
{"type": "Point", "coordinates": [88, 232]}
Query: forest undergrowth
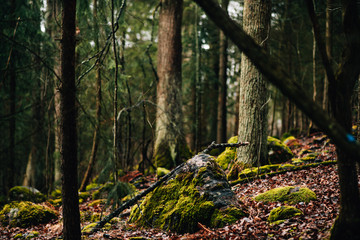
{"type": "Point", "coordinates": [315, 223]}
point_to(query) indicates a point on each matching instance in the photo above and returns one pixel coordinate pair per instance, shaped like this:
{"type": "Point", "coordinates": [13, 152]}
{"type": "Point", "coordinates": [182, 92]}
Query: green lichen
{"type": "Point", "coordinates": [278, 151]}
{"type": "Point", "coordinates": [20, 193]}
{"type": "Point", "coordinates": [288, 194]}
{"type": "Point", "coordinates": [282, 213]}
{"type": "Point", "coordinates": [26, 214]}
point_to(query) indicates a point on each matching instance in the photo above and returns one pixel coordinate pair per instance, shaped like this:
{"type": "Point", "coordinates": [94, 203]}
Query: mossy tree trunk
{"type": "Point", "coordinates": [169, 140]}
{"type": "Point", "coordinates": [253, 89]}
{"type": "Point", "coordinates": [68, 129]}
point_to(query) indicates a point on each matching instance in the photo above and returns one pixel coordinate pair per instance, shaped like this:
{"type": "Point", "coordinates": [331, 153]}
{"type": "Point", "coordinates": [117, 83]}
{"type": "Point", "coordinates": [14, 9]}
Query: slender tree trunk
{"type": "Point", "coordinates": [198, 84]}
{"type": "Point", "coordinates": [169, 144]}
{"type": "Point", "coordinates": [253, 91]}
{"type": "Point", "coordinates": [328, 42]}
{"type": "Point", "coordinates": [96, 138]}
{"type": "Point", "coordinates": [68, 113]}
{"type": "Point", "coordinates": [222, 110]}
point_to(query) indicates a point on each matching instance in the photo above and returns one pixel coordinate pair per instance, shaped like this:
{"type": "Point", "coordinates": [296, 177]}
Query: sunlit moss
{"type": "Point", "coordinates": [283, 212]}
{"type": "Point", "coordinates": [287, 194]}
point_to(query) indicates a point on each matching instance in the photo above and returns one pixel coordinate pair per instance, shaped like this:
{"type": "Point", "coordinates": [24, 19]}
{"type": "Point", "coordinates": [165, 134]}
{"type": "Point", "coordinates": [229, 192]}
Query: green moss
{"type": "Point", "coordinates": [88, 228]}
{"type": "Point", "coordinates": [278, 151]}
{"type": "Point", "coordinates": [178, 205]}
{"type": "Point", "coordinates": [226, 158]}
{"type": "Point", "coordinates": [18, 236]}
{"type": "Point", "coordinates": [92, 186]}
{"type": "Point", "coordinates": [161, 171]}
{"type": "Point", "coordinates": [56, 194]}
{"type": "Point", "coordinates": [283, 212]}
{"type": "Point", "coordinates": [250, 172]}
{"type": "Point", "coordinates": [25, 214]}
{"type": "Point", "coordinates": [89, 216]}
{"type": "Point", "coordinates": [103, 191]}
{"type": "Point", "coordinates": [226, 216]}
{"type": "Point", "coordinates": [20, 193]}
{"type": "Point", "coordinates": [97, 202]}
{"type": "Point", "coordinates": [32, 234]}
{"type": "Point", "coordinates": [287, 194]}
{"type": "Point", "coordinates": [233, 139]}
{"type": "Point", "coordinates": [287, 166]}
{"type": "Point", "coordinates": [84, 195]}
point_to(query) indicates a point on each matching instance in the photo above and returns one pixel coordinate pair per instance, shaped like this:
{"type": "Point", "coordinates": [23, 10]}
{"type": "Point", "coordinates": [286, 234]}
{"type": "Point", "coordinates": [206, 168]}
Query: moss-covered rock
{"type": "Point", "coordinates": [88, 228]}
{"type": "Point", "coordinates": [25, 214]}
{"type": "Point", "coordinates": [278, 151]}
{"type": "Point", "coordinates": [282, 213]}
{"type": "Point", "coordinates": [287, 194]}
{"type": "Point", "coordinates": [198, 192]}
{"type": "Point", "coordinates": [22, 193]}
{"type": "Point", "coordinates": [227, 157]}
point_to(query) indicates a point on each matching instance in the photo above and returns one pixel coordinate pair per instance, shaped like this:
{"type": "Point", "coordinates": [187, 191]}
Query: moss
{"type": "Point", "coordinates": [161, 171]}
{"type": "Point", "coordinates": [32, 234]}
{"type": "Point", "coordinates": [103, 191]}
{"type": "Point", "coordinates": [226, 216]}
{"type": "Point", "coordinates": [20, 193]}
{"type": "Point", "coordinates": [283, 212]}
{"type": "Point", "coordinates": [287, 166]}
{"type": "Point", "coordinates": [97, 202]}
{"type": "Point", "coordinates": [56, 194]}
{"type": "Point", "coordinates": [25, 214]}
{"type": "Point", "coordinates": [178, 205]}
{"type": "Point", "coordinates": [88, 228]}
{"type": "Point", "coordinates": [92, 186]}
{"type": "Point", "coordinates": [233, 139]}
{"type": "Point", "coordinates": [226, 158]}
{"type": "Point", "coordinates": [89, 216]}
{"type": "Point", "coordinates": [278, 151]}
{"type": "Point", "coordinates": [84, 195]}
{"type": "Point", "coordinates": [250, 172]}
{"type": "Point", "coordinates": [287, 194]}
{"type": "Point", "coordinates": [18, 236]}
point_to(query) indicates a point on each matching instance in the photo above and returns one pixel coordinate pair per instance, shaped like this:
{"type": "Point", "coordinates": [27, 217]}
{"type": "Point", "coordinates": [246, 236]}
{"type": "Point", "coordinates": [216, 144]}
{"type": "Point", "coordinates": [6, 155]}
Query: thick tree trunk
{"type": "Point", "coordinates": [253, 89]}
{"type": "Point", "coordinates": [222, 110]}
{"type": "Point", "coordinates": [328, 43]}
{"type": "Point", "coordinates": [68, 136]}
{"type": "Point", "coordinates": [169, 145]}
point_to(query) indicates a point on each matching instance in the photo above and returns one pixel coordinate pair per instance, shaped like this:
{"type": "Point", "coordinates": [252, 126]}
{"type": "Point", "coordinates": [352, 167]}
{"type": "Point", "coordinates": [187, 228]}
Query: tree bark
{"type": "Point", "coordinates": [169, 140]}
{"type": "Point", "coordinates": [222, 110]}
{"type": "Point", "coordinates": [253, 94]}
{"type": "Point", "coordinates": [68, 130]}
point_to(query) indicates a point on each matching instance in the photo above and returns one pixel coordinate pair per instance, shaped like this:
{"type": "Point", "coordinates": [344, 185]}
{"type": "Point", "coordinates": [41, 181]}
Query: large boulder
{"type": "Point", "coordinates": [278, 151]}
{"type": "Point", "coordinates": [25, 214]}
{"type": "Point", "coordinates": [196, 193]}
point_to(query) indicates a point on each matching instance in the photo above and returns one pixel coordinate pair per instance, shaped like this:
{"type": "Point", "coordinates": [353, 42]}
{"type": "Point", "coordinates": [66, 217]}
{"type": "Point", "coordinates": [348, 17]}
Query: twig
{"type": "Point", "coordinates": [213, 145]}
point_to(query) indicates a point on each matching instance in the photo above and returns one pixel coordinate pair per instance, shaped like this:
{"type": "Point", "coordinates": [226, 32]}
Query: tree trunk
{"type": "Point", "coordinates": [68, 130]}
{"type": "Point", "coordinates": [347, 224]}
{"type": "Point", "coordinates": [222, 110]}
{"type": "Point", "coordinates": [328, 43]}
{"type": "Point", "coordinates": [253, 94]}
{"type": "Point", "coordinates": [96, 138]}
{"type": "Point", "coordinates": [169, 145]}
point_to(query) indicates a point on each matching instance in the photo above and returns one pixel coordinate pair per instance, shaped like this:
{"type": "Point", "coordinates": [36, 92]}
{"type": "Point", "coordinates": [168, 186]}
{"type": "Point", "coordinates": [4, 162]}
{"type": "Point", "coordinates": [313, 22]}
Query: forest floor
{"type": "Point", "coordinates": [315, 223]}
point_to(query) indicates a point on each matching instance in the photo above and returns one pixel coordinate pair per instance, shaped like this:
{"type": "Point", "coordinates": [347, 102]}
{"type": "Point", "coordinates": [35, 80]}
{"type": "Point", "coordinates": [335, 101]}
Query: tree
{"type": "Point", "coordinates": [68, 132]}
{"type": "Point", "coordinates": [169, 145]}
{"type": "Point", "coordinates": [346, 225]}
{"type": "Point", "coordinates": [253, 94]}
{"type": "Point", "coordinates": [222, 110]}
